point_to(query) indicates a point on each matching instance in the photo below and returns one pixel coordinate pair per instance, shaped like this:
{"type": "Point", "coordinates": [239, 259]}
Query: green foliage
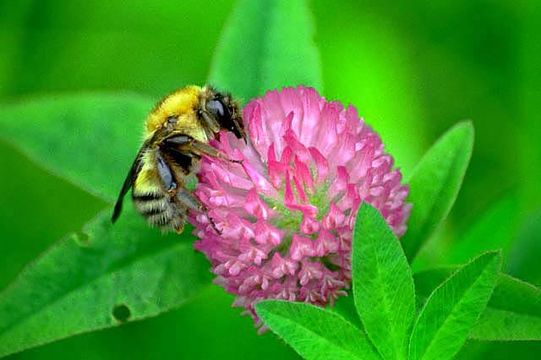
{"type": "Point", "coordinates": [269, 42]}
{"type": "Point", "coordinates": [493, 230]}
{"type": "Point", "coordinates": [371, 66]}
{"type": "Point", "coordinates": [526, 251]}
{"type": "Point", "coordinates": [382, 284]}
{"type": "Point", "coordinates": [152, 48]}
{"type": "Point", "coordinates": [451, 301]}
{"type": "Point", "coordinates": [22, 240]}
{"type": "Point", "coordinates": [370, 55]}
{"type": "Point", "coordinates": [529, 146]}
{"type": "Point", "coordinates": [452, 309]}
{"type": "Point", "coordinates": [101, 277]}
{"type": "Point", "coordinates": [513, 312]}
{"type": "Point", "coordinates": [79, 137]}
{"type": "Point", "coordinates": [315, 333]}
{"type": "Point", "coordinates": [434, 185]}
{"type": "Point", "coordinates": [520, 304]}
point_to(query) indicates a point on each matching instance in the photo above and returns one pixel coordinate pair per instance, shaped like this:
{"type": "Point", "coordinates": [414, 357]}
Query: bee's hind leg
{"type": "Point", "coordinates": [179, 227]}
{"type": "Point", "coordinates": [213, 224]}
{"type": "Point", "coordinates": [191, 202]}
{"type": "Point", "coordinates": [188, 199]}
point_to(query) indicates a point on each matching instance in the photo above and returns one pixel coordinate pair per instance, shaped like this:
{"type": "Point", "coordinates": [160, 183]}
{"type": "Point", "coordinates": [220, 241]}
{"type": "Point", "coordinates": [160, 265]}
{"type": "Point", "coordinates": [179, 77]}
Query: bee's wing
{"type": "Point", "coordinates": [128, 182]}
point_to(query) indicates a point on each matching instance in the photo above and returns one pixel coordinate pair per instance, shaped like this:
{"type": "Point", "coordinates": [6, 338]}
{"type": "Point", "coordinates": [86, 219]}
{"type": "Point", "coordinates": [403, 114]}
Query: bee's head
{"type": "Point", "coordinates": [226, 113]}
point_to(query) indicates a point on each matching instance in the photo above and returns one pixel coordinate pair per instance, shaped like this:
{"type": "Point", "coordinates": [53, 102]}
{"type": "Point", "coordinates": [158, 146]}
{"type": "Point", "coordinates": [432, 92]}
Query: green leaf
{"type": "Point", "coordinates": [513, 312]}
{"type": "Point", "coordinates": [101, 277]}
{"type": "Point", "coordinates": [42, 55]}
{"type": "Point", "coordinates": [453, 308]}
{"type": "Point", "coordinates": [434, 184]}
{"type": "Point", "coordinates": [345, 307]}
{"type": "Point", "coordinates": [315, 333]}
{"type": "Point", "coordinates": [90, 140]}
{"type": "Point", "coordinates": [526, 250]}
{"type": "Point", "coordinates": [382, 284]}
{"type": "Point", "coordinates": [265, 45]}
{"type": "Point", "coordinates": [493, 230]}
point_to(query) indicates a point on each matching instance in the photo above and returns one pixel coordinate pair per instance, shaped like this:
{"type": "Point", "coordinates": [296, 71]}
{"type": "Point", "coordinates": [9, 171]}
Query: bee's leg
{"type": "Point", "coordinates": [188, 200]}
{"type": "Point", "coordinates": [186, 144]}
{"type": "Point", "coordinates": [165, 173]}
{"type": "Point", "coordinates": [211, 220]}
{"type": "Point", "coordinates": [213, 224]}
{"type": "Point", "coordinates": [211, 123]}
{"type": "Point", "coordinates": [201, 148]}
{"type": "Point", "coordinates": [179, 228]}
{"type": "Point", "coordinates": [191, 202]}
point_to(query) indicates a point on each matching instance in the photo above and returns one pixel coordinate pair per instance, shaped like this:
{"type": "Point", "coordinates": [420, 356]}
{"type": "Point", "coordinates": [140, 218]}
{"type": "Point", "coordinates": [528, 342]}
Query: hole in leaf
{"type": "Point", "coordinates": [82, 239]}
{"type": "Point", "coordinates": [121, 313]}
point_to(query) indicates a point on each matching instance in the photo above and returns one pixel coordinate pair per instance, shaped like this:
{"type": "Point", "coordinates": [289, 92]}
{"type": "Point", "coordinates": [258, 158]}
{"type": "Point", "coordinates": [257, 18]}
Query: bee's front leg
{"type": "Point", "coordinates": [187, 144]}
{"type": "Point", "coordinates": [200, 148]}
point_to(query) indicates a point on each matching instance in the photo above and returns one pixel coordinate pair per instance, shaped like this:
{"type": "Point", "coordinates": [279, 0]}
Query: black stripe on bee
{"type": "Point", "coordinates": [148, 197]}
{"type": "Point", "coordinates": [151, 211]}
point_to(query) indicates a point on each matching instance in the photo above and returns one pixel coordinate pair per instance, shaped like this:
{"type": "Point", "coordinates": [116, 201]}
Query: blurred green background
{"type": "Point", "coordinates": [412, 69]}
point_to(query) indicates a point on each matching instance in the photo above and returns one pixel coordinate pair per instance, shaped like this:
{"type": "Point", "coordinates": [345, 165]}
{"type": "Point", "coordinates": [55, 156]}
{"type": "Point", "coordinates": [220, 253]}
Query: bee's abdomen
{"type": "Point", "coordinates": [159, 211]}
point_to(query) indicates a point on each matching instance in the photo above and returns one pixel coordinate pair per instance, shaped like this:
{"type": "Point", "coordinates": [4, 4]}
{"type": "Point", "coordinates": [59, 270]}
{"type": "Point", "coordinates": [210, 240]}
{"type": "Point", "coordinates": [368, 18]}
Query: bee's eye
{"type": "Point", "coordinates": [216, 108]}
{"type": "Point", "coordinates": [222, 114]}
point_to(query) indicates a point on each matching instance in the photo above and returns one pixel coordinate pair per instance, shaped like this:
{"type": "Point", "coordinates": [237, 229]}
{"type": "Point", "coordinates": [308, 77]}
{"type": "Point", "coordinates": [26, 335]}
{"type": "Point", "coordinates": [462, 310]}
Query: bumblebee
{"type": "Point", "coordinates": [177, 134]}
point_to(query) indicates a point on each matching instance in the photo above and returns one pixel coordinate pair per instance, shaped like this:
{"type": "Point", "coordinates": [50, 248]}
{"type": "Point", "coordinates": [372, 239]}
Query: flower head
{"type": "Point", "coordinates": [279, 218]}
